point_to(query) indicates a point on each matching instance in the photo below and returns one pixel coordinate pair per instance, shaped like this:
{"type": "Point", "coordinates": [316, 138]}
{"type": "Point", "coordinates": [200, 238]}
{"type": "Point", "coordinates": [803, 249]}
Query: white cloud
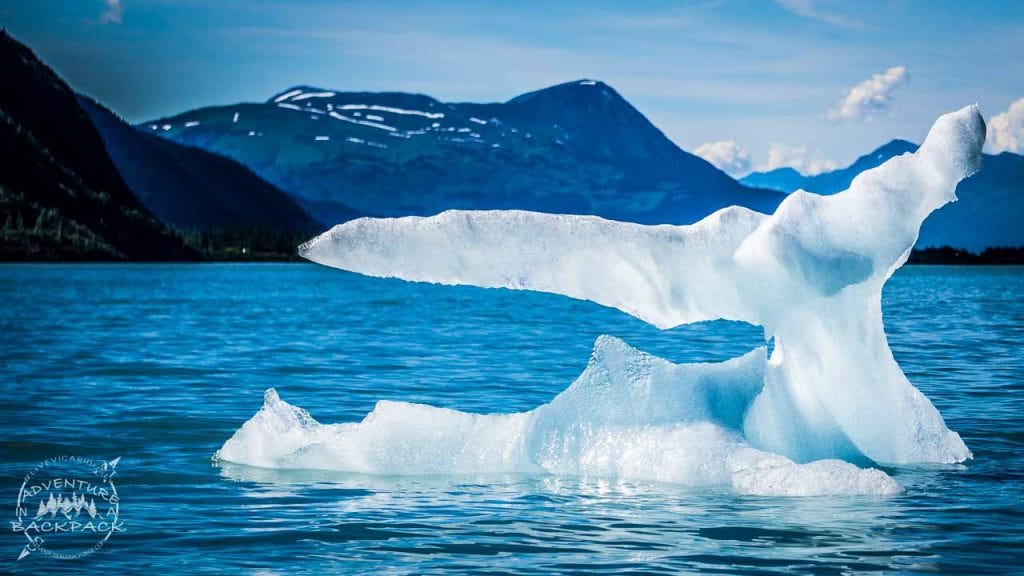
{"type": "Point", "coordinates": [869, 97]}
{"type": "Point", "coordinates": [1006, 130]}
{"type": "Point", "coordinates": [734, 160]}
{"type": "Point", "coordinates": [112, 12]}
{"type": "Point", "coordinates": [813, 10]}
{"type": "Point", "coordinates": [726, 155]}
{"type": "Point", "coordinates": [798, 158]}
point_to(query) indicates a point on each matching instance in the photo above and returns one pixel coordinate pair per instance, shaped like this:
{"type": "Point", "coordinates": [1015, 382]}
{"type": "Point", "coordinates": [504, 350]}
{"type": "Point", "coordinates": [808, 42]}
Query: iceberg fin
{"type": "Point", "coordinates": [655, 273]}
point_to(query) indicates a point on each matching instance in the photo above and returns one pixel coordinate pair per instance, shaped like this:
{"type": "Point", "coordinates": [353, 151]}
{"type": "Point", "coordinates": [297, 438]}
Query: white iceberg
{"type": "Point", "coordinates": [811, 274]}
{"type": "Point", "coordinates": [630, 415]}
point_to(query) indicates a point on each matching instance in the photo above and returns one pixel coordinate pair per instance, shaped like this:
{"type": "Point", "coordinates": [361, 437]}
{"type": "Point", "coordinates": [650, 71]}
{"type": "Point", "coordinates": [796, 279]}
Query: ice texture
{"type": "Point", "coordinates": [811, 274]}
{"type": "Point", "coordinates": [630, 416]}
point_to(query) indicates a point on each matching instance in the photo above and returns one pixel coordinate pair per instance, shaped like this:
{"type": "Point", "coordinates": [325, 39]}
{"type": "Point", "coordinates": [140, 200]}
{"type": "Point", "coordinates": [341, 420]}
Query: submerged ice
{"type": "Point", "coordinates": [811, 274]}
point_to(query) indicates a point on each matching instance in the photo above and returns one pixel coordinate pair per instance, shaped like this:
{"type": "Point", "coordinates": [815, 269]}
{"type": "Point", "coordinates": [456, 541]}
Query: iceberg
{"type": "Point", "coordinates": [630, 415]}
{"type": "Point", "coordinates": [830, 395]}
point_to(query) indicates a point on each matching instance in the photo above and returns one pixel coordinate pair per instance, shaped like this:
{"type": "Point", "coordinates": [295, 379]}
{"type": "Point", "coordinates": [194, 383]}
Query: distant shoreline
{"type": "Point", "coordinates": [943, 256]}
{"type": "Point", "coordinates": [996, 256]}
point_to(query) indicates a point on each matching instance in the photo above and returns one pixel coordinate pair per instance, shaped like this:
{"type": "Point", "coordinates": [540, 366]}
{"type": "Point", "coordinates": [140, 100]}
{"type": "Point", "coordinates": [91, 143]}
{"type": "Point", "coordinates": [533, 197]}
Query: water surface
{"type": "Point", "coordinates": [159, 364]}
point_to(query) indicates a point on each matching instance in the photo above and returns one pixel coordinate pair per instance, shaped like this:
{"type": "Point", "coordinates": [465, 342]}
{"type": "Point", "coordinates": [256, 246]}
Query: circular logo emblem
{"type": "Point", "coordinates": [67, 507]}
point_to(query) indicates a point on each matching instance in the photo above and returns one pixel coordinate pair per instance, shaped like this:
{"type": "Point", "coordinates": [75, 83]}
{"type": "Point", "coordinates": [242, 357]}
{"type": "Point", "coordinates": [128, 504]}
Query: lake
{"type": "Point", "coordinates": [160, 364]}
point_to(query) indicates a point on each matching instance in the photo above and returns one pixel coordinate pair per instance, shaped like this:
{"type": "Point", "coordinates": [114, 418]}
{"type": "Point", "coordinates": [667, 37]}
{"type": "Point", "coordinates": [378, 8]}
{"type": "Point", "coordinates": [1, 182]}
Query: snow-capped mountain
{"type": "Point", "coordinates": [577, 147]}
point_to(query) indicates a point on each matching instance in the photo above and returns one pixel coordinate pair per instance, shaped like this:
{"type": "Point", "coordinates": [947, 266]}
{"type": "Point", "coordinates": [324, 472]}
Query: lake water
{"type": "Point", "coordinates": [160, 364]}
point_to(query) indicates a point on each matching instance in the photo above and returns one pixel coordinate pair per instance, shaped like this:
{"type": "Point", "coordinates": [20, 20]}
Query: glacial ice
{"type": "Point", "coordinates": [811, 274]}
{"type": "Point", "coordinates": [630, 415]}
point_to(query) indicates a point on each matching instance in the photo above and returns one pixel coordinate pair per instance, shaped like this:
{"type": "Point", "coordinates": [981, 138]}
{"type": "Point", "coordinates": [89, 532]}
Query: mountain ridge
{"type": "Point", "coordinates": [191, 188]}
{"type": "Point", "coordinates": [63, 197]}
{"type": "Point", "coordinates": [576, 147]}
{"type": "Point", "coordinates": [90, 186]}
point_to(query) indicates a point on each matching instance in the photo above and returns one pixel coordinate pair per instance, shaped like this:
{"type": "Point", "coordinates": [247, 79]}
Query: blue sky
{"type": "Point", "coordinates": [759, 84]}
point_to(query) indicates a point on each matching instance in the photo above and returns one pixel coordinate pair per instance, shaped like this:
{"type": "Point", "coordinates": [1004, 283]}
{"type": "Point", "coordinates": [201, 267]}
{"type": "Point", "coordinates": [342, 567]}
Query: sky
{"type": "Point", "coordinates": [749, 85]}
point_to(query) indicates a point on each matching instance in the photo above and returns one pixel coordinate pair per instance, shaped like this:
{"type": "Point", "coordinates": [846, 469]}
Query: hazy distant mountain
{"type": "Point", "coordinates": [190, 188]}
{"type": "Point", "coordinates": [61, 196]}
{"type": "Point", "coordinates": [787, 179]}
{"type": "Point", "coordinates": [781, 179]}
{"type": "Point", "coordinates": [577, 147]}
{"type": "Point", "coordinates": [989, 212]}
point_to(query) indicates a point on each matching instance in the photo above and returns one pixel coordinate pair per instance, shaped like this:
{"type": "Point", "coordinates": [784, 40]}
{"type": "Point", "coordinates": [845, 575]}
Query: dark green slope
{"type": "Point", "coordinates": [61, 196]}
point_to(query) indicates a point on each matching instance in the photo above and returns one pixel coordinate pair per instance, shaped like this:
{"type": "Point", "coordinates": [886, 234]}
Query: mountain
{"type": "Point", "coordinates": [190, 188]}
{"type": "Point", "coordinates": [839, 180]}
{"type": "Point", "coordinates": [781, 179]}
{"type": "Point", "coordinates": [787, 179]}
{"type": "Point", "coordinates": [988, 213]}
{"type": "Point", "coordinates": [577, 147]}
{"type": "Point", "coordinates": [61, 196]}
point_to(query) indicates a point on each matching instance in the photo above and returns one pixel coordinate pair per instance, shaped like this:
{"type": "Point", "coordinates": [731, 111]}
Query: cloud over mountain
{"type": "Point", "coordinates": [798, 158]}
{"type": "Point", "coordinates": [1006, 130]}
{"type": "Point", "coordinates": [726, 155]}
{"type": "Point", "coordinates": [874, 95]}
